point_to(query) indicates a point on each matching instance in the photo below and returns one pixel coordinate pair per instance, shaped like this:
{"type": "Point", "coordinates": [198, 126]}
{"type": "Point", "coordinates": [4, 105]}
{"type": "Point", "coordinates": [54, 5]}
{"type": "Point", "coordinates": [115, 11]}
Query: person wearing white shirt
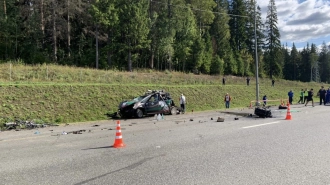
{"type": "Point", "coordinates": [183, 103]}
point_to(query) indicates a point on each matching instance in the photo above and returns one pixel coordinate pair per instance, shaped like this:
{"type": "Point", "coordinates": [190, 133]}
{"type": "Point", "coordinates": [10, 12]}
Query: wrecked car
{"type": "Point", "coordinates": [151, 103]}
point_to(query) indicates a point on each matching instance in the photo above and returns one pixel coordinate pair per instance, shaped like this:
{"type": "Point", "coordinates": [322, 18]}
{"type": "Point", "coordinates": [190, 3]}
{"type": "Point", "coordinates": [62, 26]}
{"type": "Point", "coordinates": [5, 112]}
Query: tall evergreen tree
{"type": "Point", "coordinates": [105, 14]}
{"type": "Point", "coordinates": [305, 64]}
{"type": "Point", "coordinates": [315, 76]}
{"type": "Point", "coordinates": [238, 23]}
{"type": "Point", "coordinates": [186, 32]}
{"type": "Point", "coordinates": [133, 29]}
{"type": "Point", "coordinates": [220, 32]}
{"type": "Point", "coordinates": [203, 13]}
{"type": "Point", "coordinates": [324, 61]}
{"type": "Point", "coordinates": [273, 58]}
{"type": "Point", "coordinates": [288, 70]}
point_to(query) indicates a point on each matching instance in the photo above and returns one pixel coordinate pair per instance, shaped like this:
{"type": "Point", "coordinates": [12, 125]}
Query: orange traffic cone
{"type": "Point", "coordinates": [119, 139]}
{"type": "Point", "coordinates": [288, 114]}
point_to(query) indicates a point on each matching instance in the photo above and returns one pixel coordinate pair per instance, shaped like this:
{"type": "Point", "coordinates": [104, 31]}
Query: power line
{"type": "Point", "coordinates": [201, 10]}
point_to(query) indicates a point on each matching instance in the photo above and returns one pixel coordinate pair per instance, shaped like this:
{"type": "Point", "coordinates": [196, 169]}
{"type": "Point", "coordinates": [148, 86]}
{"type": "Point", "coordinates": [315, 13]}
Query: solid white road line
{"type": "Point", "coordinates": [262, 124]}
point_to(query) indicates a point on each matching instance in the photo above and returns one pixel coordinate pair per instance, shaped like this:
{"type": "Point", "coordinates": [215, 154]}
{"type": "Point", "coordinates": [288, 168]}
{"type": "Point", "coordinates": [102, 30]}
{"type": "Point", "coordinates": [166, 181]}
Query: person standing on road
{"type": "Point", "coordinates": [301, 100]}
{"type": "Point", "coordinates": [327, 96]}
{"type": "Point", "coordinates": [183, 103]}
{"type": "Point", "coordinates": [227, 100]}
{"type": "Point", "coordinates": [265, 100]}
{"type": "Point", "coordinates": [310, 97]}
{"type": "Point", "coordinates": [322, 93]}
{"type": "Point", "coordinates": [290, 94]}
{"type": "Point", "coordinates": [305, 95]}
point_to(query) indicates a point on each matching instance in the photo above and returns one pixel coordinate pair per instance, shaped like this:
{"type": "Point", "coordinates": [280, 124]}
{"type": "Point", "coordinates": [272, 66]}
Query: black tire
{"type": "Point", "coordinates": [139, 113]}
{"type": "Point", "coordinates": [174, 111]}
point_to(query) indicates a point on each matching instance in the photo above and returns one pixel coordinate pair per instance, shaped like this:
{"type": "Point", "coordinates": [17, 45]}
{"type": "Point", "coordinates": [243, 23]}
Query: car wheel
{"type": "Point", "coordinates": [139, 113]}
{"type": "Point", "coordinates": [174, 110]}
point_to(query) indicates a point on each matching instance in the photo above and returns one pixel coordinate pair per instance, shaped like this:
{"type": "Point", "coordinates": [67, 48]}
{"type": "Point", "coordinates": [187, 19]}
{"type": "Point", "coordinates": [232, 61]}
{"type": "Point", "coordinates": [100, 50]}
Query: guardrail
{"type": "Point", "coordinates": [258, 103]}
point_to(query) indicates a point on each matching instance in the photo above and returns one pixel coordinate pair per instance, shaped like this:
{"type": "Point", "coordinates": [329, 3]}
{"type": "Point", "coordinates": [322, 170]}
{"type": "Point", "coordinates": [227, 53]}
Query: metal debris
{"type": "Point", "coordinates": [19, 124]}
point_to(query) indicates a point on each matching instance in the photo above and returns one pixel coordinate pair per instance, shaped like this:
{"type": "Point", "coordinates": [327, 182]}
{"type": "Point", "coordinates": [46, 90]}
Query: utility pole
{"type": "Point", "coordinates": [256, 53]}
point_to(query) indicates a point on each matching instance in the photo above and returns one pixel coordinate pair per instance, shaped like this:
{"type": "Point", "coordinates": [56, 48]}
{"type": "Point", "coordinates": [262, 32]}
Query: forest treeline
{"type": "Point", "coordinates": [201, 36]}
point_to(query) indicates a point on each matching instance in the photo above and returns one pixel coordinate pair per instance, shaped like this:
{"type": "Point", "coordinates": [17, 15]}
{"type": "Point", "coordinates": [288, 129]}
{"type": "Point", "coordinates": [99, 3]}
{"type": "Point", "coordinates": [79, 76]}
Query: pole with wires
{"type": "Point", "coordinates": [256, 53]}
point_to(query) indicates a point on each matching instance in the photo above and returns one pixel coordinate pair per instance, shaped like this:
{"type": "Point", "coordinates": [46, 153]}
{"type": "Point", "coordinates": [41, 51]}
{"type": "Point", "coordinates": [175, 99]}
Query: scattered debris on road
{"type": "Point", "coordinates": [19, 124]}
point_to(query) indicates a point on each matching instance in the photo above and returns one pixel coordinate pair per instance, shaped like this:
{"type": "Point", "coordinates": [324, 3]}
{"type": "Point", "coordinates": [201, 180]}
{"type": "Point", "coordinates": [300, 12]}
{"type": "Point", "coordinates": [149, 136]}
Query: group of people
{"type": "Point", "coordinates": [307, 96]}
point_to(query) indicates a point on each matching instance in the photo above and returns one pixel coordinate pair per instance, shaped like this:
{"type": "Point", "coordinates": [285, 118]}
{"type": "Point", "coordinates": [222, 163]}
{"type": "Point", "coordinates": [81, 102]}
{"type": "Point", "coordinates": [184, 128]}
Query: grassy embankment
{"type": "Point", "coordinates": [60, 94]}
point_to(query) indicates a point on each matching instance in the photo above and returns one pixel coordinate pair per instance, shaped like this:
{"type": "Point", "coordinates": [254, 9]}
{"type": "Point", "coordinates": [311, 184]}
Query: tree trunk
{"type": "Point", "coordinates": [68, 29]}
{"type": "Point", "coordinates": [42, 25]}
{"type": "Point", "coordinates": [129, 57]}
{"type": "Point", "coordinates": [5, 8]}
{"type": "Point", "coordinates": [54, 33]}
{"type": "Point", "coordinates": [169, 62]}
{"type": "Point", "coordinates": [109, 51]}
{"type": "Point", "coordinates": [97, 47]}
{"type": "Point", "coordinates": [151, 61]}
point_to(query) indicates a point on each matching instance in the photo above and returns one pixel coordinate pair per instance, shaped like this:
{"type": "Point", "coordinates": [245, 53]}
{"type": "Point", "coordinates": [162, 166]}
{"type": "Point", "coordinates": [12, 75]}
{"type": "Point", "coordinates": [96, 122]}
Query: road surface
{"type": "Point", "coordinates": [182, 149]}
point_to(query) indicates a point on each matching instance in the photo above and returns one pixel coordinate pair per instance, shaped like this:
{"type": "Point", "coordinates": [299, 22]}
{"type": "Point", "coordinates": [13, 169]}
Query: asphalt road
{"type": "Point", "coordinates": [176, 150]}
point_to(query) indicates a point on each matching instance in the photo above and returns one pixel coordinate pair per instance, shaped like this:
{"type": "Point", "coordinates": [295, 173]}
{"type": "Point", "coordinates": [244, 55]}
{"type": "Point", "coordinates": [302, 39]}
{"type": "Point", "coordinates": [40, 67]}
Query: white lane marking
{"type": "Point", "coordinates": [262, 124]}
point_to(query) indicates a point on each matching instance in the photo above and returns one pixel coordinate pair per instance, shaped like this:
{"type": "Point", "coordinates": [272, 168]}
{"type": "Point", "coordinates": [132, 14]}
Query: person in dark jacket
{"type": "Point", "coordinates": [265, 100]}
{"type": "Point", "coordinates": [310, 97]}
{"type": "Point", "coordinates": [322, 92]}
{"type": "Point", "coordinates": [327, 96]}
{"type": "Point", "coordinates": [290, 94]}
{"type": "Point", "coordinates": [248, 81]}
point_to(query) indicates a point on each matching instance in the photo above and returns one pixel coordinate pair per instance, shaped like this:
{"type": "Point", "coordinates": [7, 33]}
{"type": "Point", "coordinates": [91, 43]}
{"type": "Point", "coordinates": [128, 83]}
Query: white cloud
{"type": "Point", "coordinates": [301, 21]}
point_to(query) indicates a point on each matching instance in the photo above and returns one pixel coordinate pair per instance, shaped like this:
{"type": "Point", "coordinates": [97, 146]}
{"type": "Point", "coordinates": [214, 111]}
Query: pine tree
{"type": "Point", "coordinates": [238, 23]}
{"type": "Point", "coordinates": [305, 65]}
{"type": "Point", "coordinates": [324, 61]}
{"type": "Point", "coordinates": [203, 14]}
{"type": "Point", "coordinates": [185, 32]}
{"type": "Point", "coordinates": [273, 58]}
{"type": "Point", "coordinates": [289, 69]}
{"type": "Point", "coordinates": [220, 32]}
{"type": "Point", "coordinates": [105, 14]}
{"type": "Point", "coordinates": [315, 76]}
{"type": "Point", "coordinates": [133, 29]}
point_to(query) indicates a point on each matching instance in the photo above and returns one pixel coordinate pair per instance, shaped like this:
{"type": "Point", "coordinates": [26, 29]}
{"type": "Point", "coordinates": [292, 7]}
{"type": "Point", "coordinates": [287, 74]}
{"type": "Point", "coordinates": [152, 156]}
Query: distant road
{"type": "Point", "coordinates": [183, 149]}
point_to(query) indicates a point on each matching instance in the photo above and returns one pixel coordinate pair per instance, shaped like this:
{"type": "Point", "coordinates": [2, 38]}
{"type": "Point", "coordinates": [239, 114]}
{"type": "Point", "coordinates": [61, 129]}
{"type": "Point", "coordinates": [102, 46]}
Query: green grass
{"type": "Point", "coordinates": [61, 94]}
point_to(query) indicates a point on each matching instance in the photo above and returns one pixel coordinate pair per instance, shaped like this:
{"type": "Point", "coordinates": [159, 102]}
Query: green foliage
{"type": "Point", "coordinates": [78, 94]}
{"type": "Point", "coordinates": [163, 35]}
{"type": "Point", "coordinates": [104, 12]}
{"type": "Point", "coordinates": [216, 66]}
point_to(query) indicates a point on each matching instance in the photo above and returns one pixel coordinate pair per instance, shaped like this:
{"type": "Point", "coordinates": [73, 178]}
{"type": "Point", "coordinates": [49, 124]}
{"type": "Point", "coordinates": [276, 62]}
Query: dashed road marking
{"type": "Point", "coordinates": [262, 124]}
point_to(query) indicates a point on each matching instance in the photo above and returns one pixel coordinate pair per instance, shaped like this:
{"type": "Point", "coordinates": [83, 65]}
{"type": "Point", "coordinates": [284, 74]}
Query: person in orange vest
{"type": "Point", "coordinates": [227, 100]}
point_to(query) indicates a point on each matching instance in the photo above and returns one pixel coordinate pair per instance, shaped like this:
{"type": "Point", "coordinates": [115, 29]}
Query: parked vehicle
{"type": "Point", "coordinates": [151, 103]}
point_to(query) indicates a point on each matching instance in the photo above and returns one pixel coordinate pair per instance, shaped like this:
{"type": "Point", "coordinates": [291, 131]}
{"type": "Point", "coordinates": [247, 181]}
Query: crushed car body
{"type": "Point", "coordinates": [151, 103]}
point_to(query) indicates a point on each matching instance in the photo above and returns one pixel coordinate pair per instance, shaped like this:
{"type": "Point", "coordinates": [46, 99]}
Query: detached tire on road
{"type": "Point", "coordinates": [139, 113]}
{"type": "Point", "coordinates": [174, 110]}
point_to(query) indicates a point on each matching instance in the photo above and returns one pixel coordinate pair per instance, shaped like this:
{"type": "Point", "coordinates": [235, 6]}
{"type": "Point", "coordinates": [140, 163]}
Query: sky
{"type": "Point", "coordinates": [301, 21]}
